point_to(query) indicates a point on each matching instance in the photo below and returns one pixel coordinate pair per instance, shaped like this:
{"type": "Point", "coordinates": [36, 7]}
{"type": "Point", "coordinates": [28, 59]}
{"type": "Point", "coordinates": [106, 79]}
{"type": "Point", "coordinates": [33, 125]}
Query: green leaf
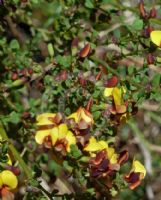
{"type": "Point", "coordinates": [137, 25]}
{"type": "Point", "coordinates": [14, 117]}
{"type": "Point", "coordinates": [54, 168]}
{"type": "Point", "coordinates": [14, 45]}
{"type": "Point", "coordinates": [64, 61]}
{"type": "Point", "coordinates": [50, 49]}
{"type": "Point", "coordinates": [89, 4]}
{"type": "Point", "coordinates": [75, 152]}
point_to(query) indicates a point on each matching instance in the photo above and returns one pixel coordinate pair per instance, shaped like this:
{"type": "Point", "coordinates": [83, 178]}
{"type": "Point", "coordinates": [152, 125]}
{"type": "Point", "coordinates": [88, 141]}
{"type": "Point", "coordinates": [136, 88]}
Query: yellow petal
{"type": "Point", "coordinates": [9, 179]}
{"type": "Point", "coordinates": [74, 116]}
{"type": "Point", "coordinates": [1, 183]}
{"type": "Point", "coordinates": [71, 140]}
{"type": "Point", "coordinates": [40, 135]}
{"type": "Point", "coordinates": [110, 152]}
{"type": "Point", "coordinates": [103, 144]}
{"type": "Point", "coordinates": [86, 117]}
{"type": "Point", "coordinates": [155, 37]}
{"type": "Point", "coordinates": [93, 145]}
{"type": "Point", "coordinates": [117, 95]}
{"type": "Point", "coordinates": [54, 135]}
{"type": "Point", "coordinates": [63, 129]}
{"type": "Point", "coordinates": [44, 119]}
{"type": "Point", "coordinates": [138, 167]}
{"type": "Point", "coordinates": [108, 92]}
{"type": "Point", "coordinates": [114, 159]}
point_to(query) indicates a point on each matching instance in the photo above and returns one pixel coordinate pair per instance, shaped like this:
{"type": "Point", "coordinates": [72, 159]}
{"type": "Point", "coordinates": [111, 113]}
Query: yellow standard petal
{"type": "Point", "coordinates": [117, 95]}
{"type": "Point", "coordinates": [93, 145]}
{"type": "Point", "coordinates": [138, 167]}
{"type": "Point", "coordinates": [86, 117]}
{"type": "Point", "coordinates": [103, 144]}
{"type": "Point", "coordinates": [71, 140]}
{"type": "Point", "coordinates": [45, 119]}
{"type": "Point", "coordinates": [9, 179]}
{"type": "Point", "coordinates": [155, 37]}
{"type": "Point", "coordinates": [108, 92]}
{"type": "Point", "coordinates": [73, 116]}
{"type": "Point", "coordinates": [54, 135]}
{"type": "Point", "coordinates": [40, 135]}
{"type": "Point", "coordinates": [63, 129]}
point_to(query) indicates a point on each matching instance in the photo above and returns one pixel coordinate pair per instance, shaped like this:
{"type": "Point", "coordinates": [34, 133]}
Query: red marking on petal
{"type": "Point", "coordinates": [47, 142]}
{"type": "Point", "coordinates": [123, 157]}
{"type": "Point", "coordinates": [99, 157]}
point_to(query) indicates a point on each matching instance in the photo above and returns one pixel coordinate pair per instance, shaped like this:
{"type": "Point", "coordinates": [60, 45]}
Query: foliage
{"type": "Point", "coordinates": [98, 60]}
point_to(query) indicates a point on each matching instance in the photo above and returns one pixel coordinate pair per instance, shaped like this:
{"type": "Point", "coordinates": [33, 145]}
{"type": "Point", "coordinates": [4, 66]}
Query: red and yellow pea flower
{"type": "Point", "coordinates": [80, 122]}
{"type": "Point", "coordinates": [155, 37]}
{"type": "Point", "coordinates": [82, 115]}
{"type": "Point", "coordinates": [58, 136]}
{"type": "Point", "coordinates": [136, 174]}
{"type": "Point", "coordinates": [104, 160]}
{"type": "Point", "coordinates": [117, 95]}
{"type": "Point", "coordinates": [8, 181]}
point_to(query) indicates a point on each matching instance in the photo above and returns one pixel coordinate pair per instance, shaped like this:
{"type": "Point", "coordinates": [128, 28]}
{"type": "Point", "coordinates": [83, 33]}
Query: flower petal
{"type": "Point", "coordinates": [103, 144]}
{"type": "Point", "coordinates": [117, 95]}
{"type": "Point", "coordinates": [108, 92]}
{"type": "Point", "coordinates": [9, 179]}
{"type": "Point", "coordinates": [71, 140]}
{"type": "Point", "coordinates": [155, 37]}
{"type": "Point", "coordinates": [44, 119]}
{"type": "Point", "coordinates": [63, 129]}
{"type": "Point", "coordinates": [138, 167]}
{"type": "Point", "coordinates": [74, 116]}
{"type": "Point", "coordinates": [40, 135]}
{"type": "Point", "coordinates": [54, 135]}
{"type": "Point", "coordinates": [93, 145]}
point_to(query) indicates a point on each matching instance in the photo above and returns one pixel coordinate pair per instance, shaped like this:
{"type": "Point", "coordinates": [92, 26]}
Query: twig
{"type": "Point", "coordinates": [22, 154]}
{"type": "Point", "coordinates": [16, 154]}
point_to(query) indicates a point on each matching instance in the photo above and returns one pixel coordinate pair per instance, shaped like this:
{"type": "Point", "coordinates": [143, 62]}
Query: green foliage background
{"type": "Point", "coordinates": [40, 71]}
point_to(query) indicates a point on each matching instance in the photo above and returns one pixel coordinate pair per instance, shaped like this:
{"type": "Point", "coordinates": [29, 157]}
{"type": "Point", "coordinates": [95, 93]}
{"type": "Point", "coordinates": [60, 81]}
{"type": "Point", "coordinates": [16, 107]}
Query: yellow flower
{"type": "Point", "coordinates": [94, 146]}
{"type": "Point", "coordinates": [155, 37]}
{"type": "Point", "coordinates": [53, 136]}
{"type": "Point", "coordinates": [82, 114]}
{"type": "Point", "coordinates": [7, 178]}
{"type": "Point", "coordinates": [138, 168]}
{"type": "Point", "coordinates": [117, 94]}
{"type": "Point", "coordinates": [136, 174]}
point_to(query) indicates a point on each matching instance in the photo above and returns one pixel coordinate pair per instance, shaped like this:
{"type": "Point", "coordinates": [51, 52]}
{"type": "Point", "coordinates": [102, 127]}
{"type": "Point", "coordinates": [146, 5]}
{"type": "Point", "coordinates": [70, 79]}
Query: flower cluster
{"type": "Point", "coordinates": [59, 132]}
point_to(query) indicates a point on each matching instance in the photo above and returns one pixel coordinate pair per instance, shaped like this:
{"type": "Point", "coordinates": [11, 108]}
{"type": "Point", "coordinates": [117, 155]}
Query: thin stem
{"type": "Point", "coordinates": [16, 154]}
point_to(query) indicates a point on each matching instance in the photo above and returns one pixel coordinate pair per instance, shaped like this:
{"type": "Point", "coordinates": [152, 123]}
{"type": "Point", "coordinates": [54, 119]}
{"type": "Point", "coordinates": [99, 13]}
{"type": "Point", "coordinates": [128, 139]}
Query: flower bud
{"type": "Point", "coordinates": [26, 115]}
{"type": "Point", "coordinates": [153, 13]}
{"type": "Point", "coordinates": [142, 9]}
{"type": "Point", "coordinates": [14, 76]}
{"type": "Point", "coordinates": [150, 59]}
